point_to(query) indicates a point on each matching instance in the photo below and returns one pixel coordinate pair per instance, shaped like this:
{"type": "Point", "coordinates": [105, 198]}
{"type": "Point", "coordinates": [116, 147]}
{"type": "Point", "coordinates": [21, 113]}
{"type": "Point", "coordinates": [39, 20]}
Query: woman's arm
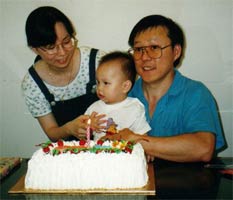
{"type": "Point", "coordinates": [76, 127]}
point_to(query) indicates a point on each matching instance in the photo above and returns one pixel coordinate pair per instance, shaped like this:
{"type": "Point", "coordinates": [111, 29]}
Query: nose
{"type": "Point", "coordinates": [145, 55]}
{"type": "Point", "coordinates": [60, 49]}
{"type": "Point", "coordinates": [98, 87]}
{"type": "Point", "coordinates": [99, 90]}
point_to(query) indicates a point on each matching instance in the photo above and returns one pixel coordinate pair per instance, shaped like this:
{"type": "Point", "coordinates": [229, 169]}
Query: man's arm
{"type": "Point", "coordinates": [189, 147]}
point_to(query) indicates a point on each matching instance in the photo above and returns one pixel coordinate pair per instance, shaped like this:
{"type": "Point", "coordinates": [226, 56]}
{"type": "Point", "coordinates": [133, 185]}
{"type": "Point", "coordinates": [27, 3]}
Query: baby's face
{"type": "Point", "coordinates": [110, 82]}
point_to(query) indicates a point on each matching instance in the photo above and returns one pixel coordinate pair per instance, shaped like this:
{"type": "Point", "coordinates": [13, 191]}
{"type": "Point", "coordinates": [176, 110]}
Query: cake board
{"type": "Point", "coordinates": [149, 189]}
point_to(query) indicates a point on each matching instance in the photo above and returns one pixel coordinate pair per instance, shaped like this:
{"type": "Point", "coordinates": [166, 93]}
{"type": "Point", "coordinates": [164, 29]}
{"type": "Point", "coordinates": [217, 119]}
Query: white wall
{"type": "Point", "coordinates": [106, 24]}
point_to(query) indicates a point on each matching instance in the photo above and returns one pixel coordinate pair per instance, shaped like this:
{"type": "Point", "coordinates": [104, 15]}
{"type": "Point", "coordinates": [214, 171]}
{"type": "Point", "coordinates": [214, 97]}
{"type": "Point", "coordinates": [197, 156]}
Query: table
{"type": "Point", "coordinates": [173, 181]}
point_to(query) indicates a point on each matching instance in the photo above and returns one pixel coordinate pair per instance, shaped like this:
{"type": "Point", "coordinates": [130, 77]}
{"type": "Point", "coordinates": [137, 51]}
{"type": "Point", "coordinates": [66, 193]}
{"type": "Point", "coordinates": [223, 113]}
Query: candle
{"type": "Point", "coordinates": [88, 134]}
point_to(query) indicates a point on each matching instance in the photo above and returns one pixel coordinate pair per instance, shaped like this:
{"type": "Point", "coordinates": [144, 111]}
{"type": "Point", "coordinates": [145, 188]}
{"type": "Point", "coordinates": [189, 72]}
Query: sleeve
{"type": "Point", "coordinates": [88, 111]}
{"type": "Point", "coordinates": [140, 125]}
{"type": "Point", "coordinates": [200, 113]}
{"type": "Point", "coordinates": [34, 99]}
{"type": "Point", "coordinates": [93, 107]}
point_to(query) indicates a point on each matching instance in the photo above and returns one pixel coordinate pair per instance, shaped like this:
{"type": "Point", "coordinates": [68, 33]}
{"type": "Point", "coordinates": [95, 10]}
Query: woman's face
{"type": "Point", "coordinates": [62, 56]}
{"type": "Point", "coordinates": [150, 69]}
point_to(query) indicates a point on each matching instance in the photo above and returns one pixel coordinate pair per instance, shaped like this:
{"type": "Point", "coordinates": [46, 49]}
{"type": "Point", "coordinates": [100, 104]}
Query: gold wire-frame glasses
{"type": "Point", "coordinates": [153, 51]}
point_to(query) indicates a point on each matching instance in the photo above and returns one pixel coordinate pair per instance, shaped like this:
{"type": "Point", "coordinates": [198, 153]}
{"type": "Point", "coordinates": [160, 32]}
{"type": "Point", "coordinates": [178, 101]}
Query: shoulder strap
{"type": "Point", "coordinates": [41, 85]}
{"type": "Point", "coordinates": [37, 58]}
{"type": "Point", "coordinates": [92, 69]}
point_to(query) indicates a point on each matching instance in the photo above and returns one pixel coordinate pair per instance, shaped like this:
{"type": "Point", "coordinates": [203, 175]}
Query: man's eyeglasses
{"type": "Point", "coordinates": [67, 44]}
{"type": "Point", "coordinates": [152, 51]}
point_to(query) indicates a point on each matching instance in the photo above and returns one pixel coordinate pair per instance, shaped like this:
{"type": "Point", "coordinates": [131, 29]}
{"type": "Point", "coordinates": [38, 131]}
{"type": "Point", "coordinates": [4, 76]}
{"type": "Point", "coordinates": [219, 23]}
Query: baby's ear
{"type": "Point", "coordinates": [127, 86]}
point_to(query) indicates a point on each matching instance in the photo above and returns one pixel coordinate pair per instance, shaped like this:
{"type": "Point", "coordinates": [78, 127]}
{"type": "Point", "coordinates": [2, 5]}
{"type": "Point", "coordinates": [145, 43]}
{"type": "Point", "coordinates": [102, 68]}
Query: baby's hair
{"type": "Point", "coordinates": [126, 60]}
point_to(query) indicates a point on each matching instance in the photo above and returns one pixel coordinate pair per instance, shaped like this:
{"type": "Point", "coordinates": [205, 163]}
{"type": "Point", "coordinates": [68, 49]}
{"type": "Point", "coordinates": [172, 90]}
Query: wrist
{"type": "Point", "coordinates": [141, 138]}
{"type": "Point", "coordinates": [67, 130]}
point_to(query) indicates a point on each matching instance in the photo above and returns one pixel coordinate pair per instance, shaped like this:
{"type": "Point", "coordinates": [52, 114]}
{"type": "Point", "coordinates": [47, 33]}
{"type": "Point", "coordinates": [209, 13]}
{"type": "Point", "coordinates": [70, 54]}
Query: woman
{"type": "Point", "coordinates": [59, 86]}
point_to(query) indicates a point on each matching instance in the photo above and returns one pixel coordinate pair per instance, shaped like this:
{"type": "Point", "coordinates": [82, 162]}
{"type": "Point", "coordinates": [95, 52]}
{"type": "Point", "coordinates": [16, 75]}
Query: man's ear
{"type": "Point", "coordinates": [127, 86]}
{"type": "Point", "coordinates": [177, 51]}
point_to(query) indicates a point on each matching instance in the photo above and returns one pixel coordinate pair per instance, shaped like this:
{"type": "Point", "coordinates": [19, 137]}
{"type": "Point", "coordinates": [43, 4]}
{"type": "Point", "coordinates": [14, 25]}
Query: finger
{"type": "Point", "coordinates": [148, 158]}
{"type": "Point", "coordinates": [102, 121]}
{"type": "Point", "coordinates": [99, 129]}
{"type": "Point", "coordinates": [93, 114]}
{"type": "Point", "coordinates": [83, 118]}
{"type": "Point", "coordinates": [100, 116]}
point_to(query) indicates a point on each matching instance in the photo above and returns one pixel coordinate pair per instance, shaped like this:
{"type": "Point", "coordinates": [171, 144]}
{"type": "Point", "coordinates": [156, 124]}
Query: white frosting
{"type": "Point", "coordinates": [87, 170]}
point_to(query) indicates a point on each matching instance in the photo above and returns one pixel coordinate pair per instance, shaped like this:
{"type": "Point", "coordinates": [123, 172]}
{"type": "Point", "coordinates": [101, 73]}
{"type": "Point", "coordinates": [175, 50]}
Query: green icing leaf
{"type": "Point", "coordinates": [75, 150]}
{"type": "Point", "coordinates": [55, 152]}
{"type": "Point", "coordinates": [117, 150]}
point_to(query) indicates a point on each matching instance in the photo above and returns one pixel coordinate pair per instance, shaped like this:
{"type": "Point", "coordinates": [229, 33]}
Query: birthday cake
{"type": "Point", "coordinates": [78, 165]}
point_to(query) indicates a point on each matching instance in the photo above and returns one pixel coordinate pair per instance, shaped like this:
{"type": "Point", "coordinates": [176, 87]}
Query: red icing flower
{"type": "Point", "coordinates": [46, 149]}
{"type": "Point", "coordinates": [100, 142]}
{"type": "Point", "coordinates": [82, 142]}
{"type": "Point", "coordinates": [60, 143]}
{"type": "Point", "coordinates": [50, 145]}
{"type": "Point", "coordinates": [127, 149]}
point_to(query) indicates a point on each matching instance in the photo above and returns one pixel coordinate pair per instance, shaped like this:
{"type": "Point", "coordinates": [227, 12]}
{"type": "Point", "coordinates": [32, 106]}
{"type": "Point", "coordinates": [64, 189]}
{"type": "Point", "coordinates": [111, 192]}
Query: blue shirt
{"type": "Point", "coordinates": [187, 107]}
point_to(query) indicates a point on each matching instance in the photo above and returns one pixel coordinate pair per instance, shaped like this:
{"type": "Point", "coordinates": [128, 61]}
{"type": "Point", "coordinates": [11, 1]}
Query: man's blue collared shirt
{"type": "Point", "coordinates": [187, 107]}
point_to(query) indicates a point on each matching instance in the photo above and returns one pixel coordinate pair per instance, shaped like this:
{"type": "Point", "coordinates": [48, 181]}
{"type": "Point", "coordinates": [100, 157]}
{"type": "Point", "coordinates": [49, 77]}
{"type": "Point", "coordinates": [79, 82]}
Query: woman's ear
{"type": "Point", "coordinates": [127, 86]}
{"type": "Point", "coordinates": [34, 50]}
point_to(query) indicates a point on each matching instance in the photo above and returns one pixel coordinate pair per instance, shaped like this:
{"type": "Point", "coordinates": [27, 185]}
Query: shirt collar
{"type": "Point", "coordinates": [176, 85]}
{"type": "Point", "coordinates": [175, 88]}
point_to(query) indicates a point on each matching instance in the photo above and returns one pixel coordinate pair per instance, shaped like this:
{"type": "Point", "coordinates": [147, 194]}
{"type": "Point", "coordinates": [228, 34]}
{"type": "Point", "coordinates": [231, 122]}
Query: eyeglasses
{"type": "Point", "coordinates": [67, 44]}
{"type": "Point", "coordinates": [152, 51]}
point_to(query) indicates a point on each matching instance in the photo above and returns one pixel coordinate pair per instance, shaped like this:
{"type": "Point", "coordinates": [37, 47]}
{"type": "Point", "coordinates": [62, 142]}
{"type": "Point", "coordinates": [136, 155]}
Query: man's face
{"type": "Point", "coordinates": [151, 69]}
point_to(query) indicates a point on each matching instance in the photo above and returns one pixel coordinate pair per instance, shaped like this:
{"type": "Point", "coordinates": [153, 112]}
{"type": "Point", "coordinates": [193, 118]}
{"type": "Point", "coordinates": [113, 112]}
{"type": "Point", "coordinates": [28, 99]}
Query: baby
{"type": "Point", "coordinates": [115, 77]}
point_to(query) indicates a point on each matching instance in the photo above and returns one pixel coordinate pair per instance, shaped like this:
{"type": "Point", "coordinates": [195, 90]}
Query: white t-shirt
{"type": "Point", "coordinates": [129, 113]}
{"type": "Point", "coordinates": [35, 99]}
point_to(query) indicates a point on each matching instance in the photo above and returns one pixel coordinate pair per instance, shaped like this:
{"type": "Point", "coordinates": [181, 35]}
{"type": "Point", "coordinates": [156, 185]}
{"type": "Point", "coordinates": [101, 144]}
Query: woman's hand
{"type": "Point", "coordinates": [78, 126]}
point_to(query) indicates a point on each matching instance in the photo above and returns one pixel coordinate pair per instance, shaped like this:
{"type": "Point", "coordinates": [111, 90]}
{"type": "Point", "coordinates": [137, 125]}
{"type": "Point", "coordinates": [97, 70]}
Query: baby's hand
{"type": "Point", "coordinates": [98, 122]}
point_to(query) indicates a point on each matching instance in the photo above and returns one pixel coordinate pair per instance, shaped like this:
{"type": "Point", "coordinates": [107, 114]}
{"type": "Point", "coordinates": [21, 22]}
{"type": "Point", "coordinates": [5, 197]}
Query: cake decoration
{"type": "Point", "coordinates": [102, 145]}
{"type": "Point", "coordinates": [111, 127]}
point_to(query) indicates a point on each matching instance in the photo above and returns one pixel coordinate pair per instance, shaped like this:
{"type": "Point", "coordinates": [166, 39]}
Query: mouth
{"type": "Point", "coordinates": [100, 96]}
{"type": "Point", "coordinates": [148, 68]}
{"type": "Point", "coordinates": [62, 60]}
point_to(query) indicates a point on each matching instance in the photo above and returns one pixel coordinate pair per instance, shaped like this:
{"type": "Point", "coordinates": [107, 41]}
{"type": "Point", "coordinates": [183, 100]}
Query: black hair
{"type": "Point", "coordinates": [126, 60]}
{"type": "Point", "coordinates": [175, 32]}
{"type": "Point", "coordinates": [40, 26]}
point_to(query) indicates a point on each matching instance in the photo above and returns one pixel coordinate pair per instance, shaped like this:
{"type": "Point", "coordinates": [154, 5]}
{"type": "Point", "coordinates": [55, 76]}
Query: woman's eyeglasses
{"type": "Point", "coordinates": [67, 44]}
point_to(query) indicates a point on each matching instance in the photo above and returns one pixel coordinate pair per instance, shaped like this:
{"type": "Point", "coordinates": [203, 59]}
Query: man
{"type": "Point", "coordinates": [181, 112]}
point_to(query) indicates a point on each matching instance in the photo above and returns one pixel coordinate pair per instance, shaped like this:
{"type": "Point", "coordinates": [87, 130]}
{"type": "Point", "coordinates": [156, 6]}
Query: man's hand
{"type": "Point", "coordinates": [124, 134]}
